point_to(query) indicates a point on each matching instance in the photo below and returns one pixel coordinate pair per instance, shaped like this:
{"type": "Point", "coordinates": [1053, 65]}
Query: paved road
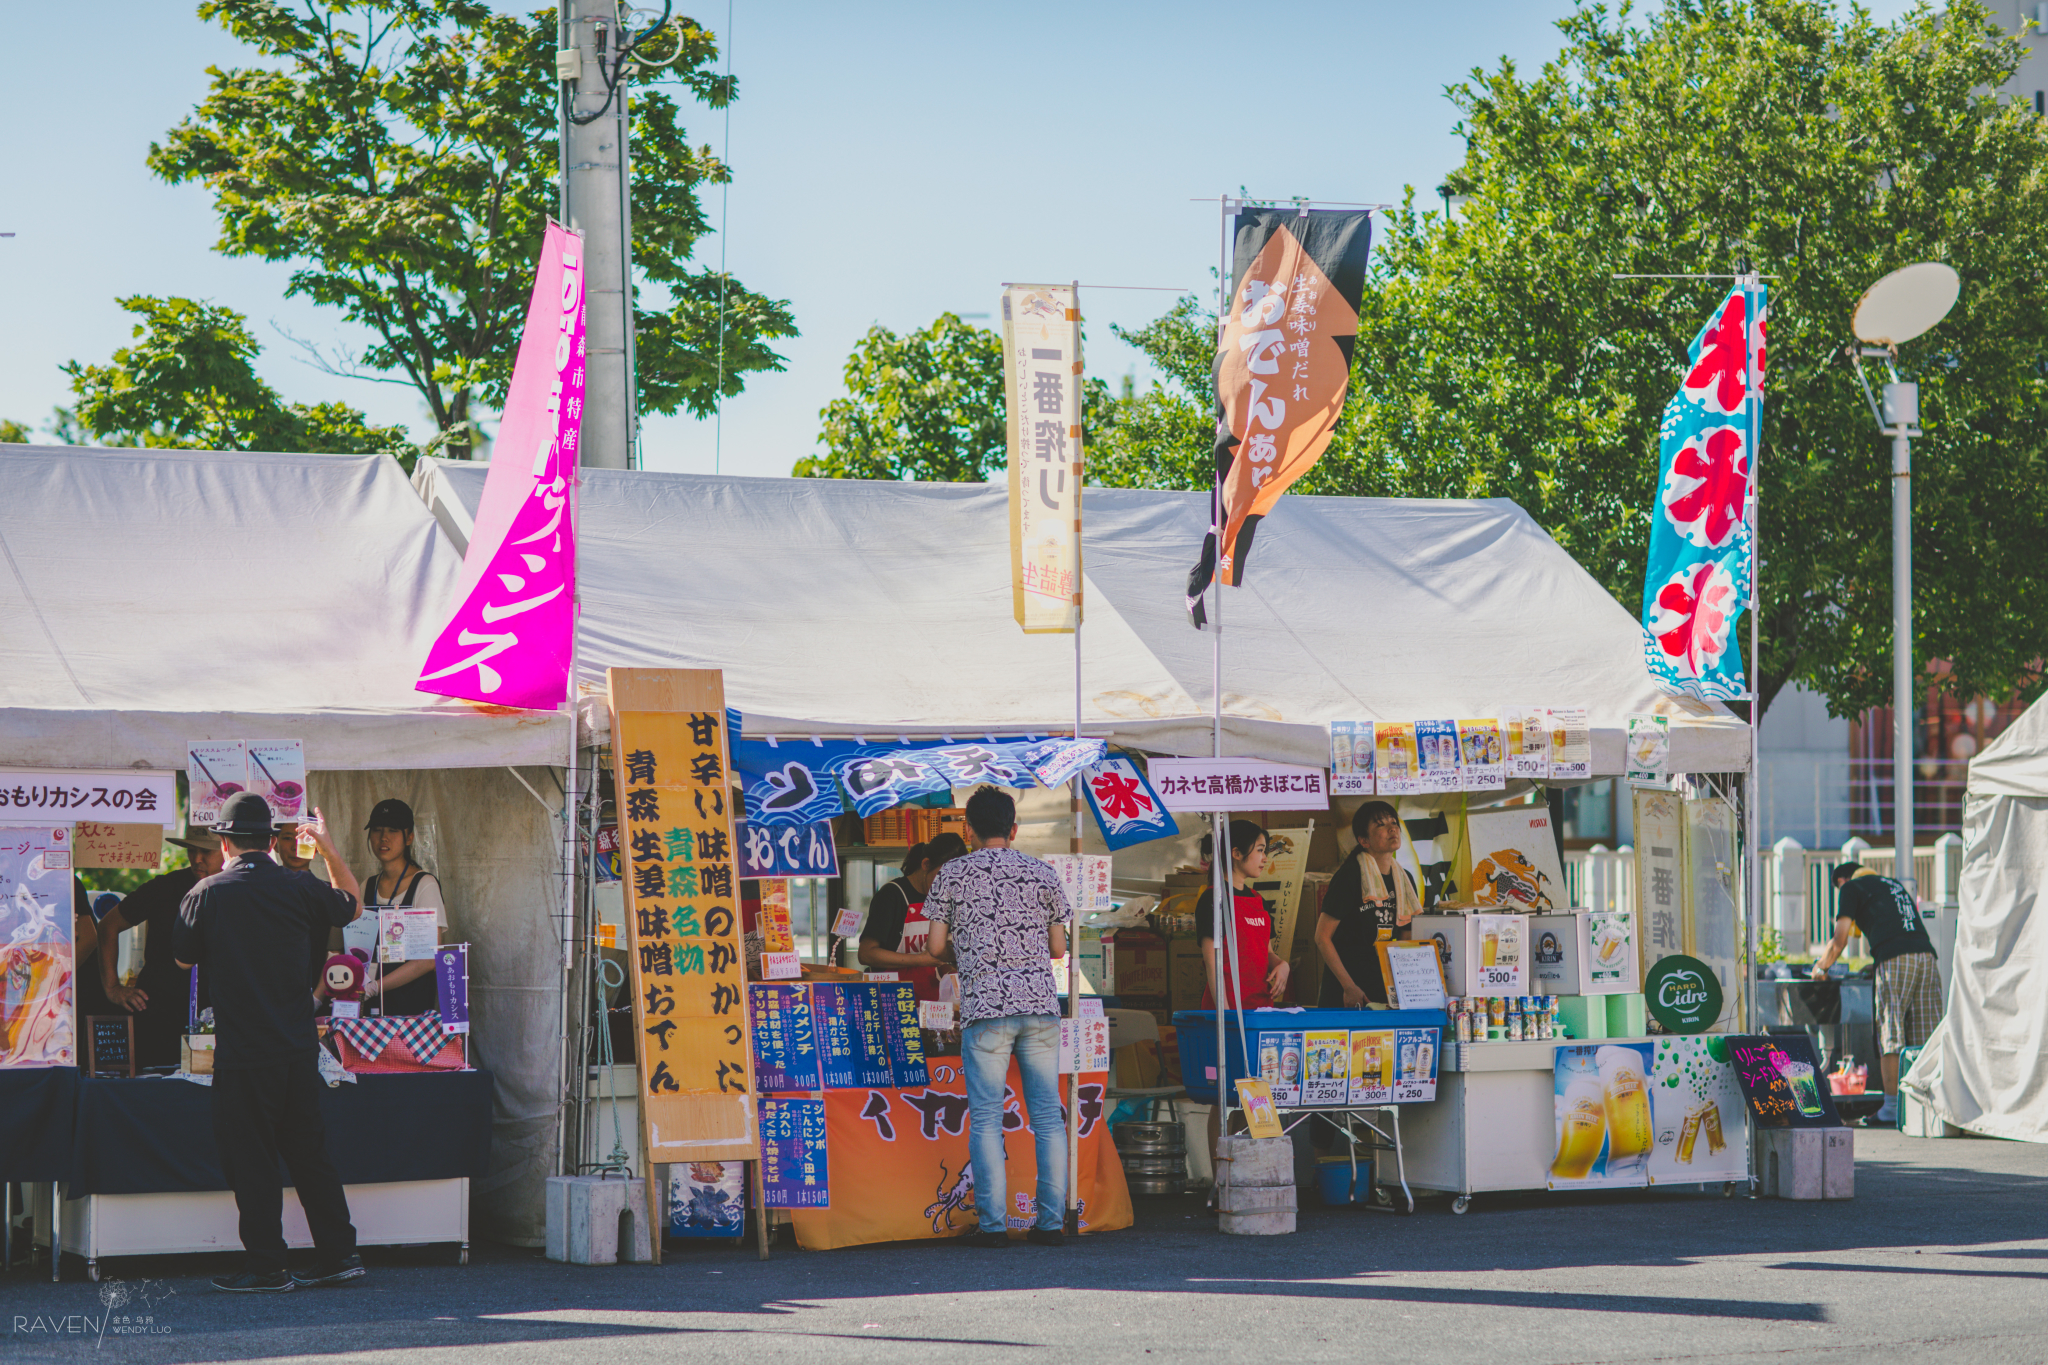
{"type": "Point", "coordinates": [1941, 1256]}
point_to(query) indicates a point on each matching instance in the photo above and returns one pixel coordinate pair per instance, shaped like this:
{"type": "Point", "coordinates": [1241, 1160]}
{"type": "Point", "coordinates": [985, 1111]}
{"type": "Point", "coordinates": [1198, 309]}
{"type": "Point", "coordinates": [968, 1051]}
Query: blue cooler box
{"type": "Point", "coordinates": [1195, 1035]}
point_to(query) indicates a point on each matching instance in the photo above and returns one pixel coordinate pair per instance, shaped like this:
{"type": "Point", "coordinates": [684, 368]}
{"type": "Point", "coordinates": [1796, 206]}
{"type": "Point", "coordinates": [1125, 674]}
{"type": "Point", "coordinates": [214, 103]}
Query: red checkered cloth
{"type": "Point", "coordinates": [421, 1034]}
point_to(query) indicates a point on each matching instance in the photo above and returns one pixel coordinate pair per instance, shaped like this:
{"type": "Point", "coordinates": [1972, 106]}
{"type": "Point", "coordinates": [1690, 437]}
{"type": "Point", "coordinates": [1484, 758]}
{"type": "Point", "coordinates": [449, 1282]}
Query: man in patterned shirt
{"type": "Point", "coordinates": [1001, 915]}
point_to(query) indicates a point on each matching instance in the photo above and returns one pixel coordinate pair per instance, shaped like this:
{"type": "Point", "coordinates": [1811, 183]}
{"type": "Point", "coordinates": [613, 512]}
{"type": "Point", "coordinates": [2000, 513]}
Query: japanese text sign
{"type": "Point", "coordinates": [1215, 784]}
{"type": "Point", "coordinates": [670, 766]}
{"type": "Point", "coordinates": [511, 637]}
{"type": "Point", "coordinates": [1127, 809]}
{"type": "Point", "coordinates": [785, 1038]}
{"type": "Point", "coordinates": [793, 1172]}
{"type": "Point", "coordinates": [30, 796]}
{"type": "Point", "coordinates": [786, 850]}
{"type": "Point", "coordinates": [124, 846]}
{"type": "Point", "coordinates": [1042, 386]}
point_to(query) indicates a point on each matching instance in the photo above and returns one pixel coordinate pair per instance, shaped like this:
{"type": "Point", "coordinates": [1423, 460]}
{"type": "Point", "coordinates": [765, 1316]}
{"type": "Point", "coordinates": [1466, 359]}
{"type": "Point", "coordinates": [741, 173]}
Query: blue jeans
{"type": "Point", "coordinates": [986, 1047]}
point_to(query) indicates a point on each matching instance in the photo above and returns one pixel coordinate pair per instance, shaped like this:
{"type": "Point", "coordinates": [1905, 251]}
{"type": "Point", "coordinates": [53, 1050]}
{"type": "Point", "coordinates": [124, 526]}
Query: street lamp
{"type": "Point", "coordinates": [1898, 308]}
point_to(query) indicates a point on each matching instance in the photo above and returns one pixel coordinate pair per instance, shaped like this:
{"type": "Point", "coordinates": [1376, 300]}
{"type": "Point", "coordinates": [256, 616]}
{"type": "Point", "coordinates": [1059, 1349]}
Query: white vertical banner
{"type": "Point", "coordinates": [1042, 390]}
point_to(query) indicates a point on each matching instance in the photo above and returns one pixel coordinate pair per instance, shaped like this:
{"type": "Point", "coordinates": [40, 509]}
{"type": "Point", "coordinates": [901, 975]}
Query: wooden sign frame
{"type": "Point", "coordinates": [92, 1052]}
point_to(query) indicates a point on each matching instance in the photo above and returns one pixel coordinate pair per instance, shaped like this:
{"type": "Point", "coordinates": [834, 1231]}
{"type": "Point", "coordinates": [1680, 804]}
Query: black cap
{"type": "Point", "coordinates": [246, 814]}
{"type": "Point", "coordinates": [1842, 872]}
{"type": "Point", "coordinates": [390, 813]}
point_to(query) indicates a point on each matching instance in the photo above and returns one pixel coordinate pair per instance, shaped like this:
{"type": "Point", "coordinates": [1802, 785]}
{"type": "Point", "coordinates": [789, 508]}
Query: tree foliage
{"type": "Point", "coordinates": [1500, 354]}
{"type": "Point", "coordinates": [928, 405]}
{"type": "Point", "coordinates": [189, 381]}
{"type": "Point", "coordinates": [401, 155]}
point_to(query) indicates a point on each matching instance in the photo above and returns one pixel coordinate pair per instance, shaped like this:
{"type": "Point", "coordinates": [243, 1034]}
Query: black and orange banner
{"type": "Point", "coordinates": [1283, 364]}
{"type": "Point", "coordinates": [900, 1165]}
{"type": "Point", "coordinates": [689, 975]}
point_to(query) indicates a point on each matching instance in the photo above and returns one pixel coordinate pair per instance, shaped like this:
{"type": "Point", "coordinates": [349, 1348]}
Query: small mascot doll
{"type": "Point", "coordinates": [343, 976]}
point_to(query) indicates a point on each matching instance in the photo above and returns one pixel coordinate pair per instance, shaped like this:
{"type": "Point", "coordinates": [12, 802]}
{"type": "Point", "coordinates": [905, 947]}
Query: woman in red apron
{"type": "Point", "coordinates": [1261, 970]}
{"type": "Point", "coordinates": [895, 936]}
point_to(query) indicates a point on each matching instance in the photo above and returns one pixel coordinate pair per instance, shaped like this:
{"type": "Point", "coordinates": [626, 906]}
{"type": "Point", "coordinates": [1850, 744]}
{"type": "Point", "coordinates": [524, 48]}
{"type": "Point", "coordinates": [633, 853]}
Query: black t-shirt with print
{"type": "Point", "coordinates": [1885, 916]}
{"type": "Point", "coordinates": [1358, 932]}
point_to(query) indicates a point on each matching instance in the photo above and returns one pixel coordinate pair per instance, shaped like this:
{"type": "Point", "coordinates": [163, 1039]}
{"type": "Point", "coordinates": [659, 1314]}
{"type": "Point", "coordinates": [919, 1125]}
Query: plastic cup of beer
{"type": "Point", "coordinates": [1583, 1129]}
{"type": "Point", "coordinates": [1629, 1132]}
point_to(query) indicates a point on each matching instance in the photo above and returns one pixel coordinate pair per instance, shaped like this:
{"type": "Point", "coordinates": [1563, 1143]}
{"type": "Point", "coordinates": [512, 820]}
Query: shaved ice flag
{"type": "Point", "coordinates": [511, 641]}
{"type": "Point", "coordinates": [1702, 532]}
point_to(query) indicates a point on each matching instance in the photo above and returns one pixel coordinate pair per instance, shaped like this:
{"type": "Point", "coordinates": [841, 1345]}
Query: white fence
{"type": "Point", "coordinates": [1601, 878]}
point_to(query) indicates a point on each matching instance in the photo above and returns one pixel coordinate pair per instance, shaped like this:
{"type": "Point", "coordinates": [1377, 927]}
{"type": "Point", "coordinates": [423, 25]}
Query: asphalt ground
{"type": "Point", "coordinates": [1941, 1256]}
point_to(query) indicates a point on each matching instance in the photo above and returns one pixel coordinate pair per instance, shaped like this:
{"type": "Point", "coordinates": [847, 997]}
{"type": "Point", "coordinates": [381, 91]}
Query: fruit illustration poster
{"type": "Point", "coordinates": [36, 960]}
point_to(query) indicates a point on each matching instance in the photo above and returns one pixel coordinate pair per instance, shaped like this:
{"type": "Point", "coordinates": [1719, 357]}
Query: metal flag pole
{"type": "Point", "coordinates": [1074, 935]}
{"type": "Point", "coordinates": [1219, 860]}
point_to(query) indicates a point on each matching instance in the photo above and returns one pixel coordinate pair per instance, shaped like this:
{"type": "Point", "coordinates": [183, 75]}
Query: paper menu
{"type": "Point", "coordinates": [1085, 877]}
{"type": "Point", "coordinates": [1280, 1059]}
{"type": "Point", "coordinates": [1372, 1066]}
{"type": "Point", "coordinates": [1527, 732]}
{"type": "Point", "coordinates": [1326, 1066]}
{"type": "Point", "coordinates": [1436, 755]}
{"type": "Point", "coordinates": [277, 773]}
{"type": "Point", "coordinates": [1413, 974]}
{"type": "Point", "coordinates": [1351, 757]}
{"type": "Point", "coordinates": [214, 770]}
{"type": "Point", "coordinates": [1482, 754]}
{"type": "Point", "coordinates": [1649, 750]}
{"type": "Point", "coordinates": [1571, 745]}
{"type": "Point", "coordinates": [1394, 758]}
{"type": "Point", "coordinates": [1084, 1045]}
{"type": "Point", "coordinates": [405, 934]}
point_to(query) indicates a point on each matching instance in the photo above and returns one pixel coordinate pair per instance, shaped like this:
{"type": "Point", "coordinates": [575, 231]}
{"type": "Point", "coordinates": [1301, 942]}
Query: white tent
{"type": "Point", "coordinates": [844, 607]}
{"type": "Point", "coordinates": [1986, 1067]}
{"type": "Point", "coordinates": [149, 598]}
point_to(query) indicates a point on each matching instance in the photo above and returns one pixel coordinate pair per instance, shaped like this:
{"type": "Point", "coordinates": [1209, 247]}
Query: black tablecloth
{"type": "Point", "coordinates": [38, 1105]}
{"type": "Point", "coordinates": [154, 1135]}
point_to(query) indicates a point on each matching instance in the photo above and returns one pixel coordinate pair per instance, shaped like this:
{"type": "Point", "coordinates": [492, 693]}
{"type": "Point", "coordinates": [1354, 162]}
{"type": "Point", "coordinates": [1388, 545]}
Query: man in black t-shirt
{"type": "Point", "coordinates": [1908, 982]}
{"type": "Point", "coordinates": [160, 997]}
{"type": "Point", "coordinates": [1350, 928]}
{"type": "Point", "coordinates": [249, 924]}
{"type": "Point", "coordinates": [896, 933]}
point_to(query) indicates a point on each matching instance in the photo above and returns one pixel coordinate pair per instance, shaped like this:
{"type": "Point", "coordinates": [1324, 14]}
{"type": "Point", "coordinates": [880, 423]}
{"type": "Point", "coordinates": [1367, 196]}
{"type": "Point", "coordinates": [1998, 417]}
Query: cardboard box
{"type": "Point", "coordinates": [1187, 981]}
{"type": "Point", "coordinates": [1141, 968]}
{"type": "Point", "coordinates": [1808, 1163]}
{"type": "Point", "coordinates": [1584, 952]}
{"type": "Point", "coordinates": [1461, 940]}
{"type": "Point", "coordinates": [195, 1054]}
{"type": "Point", "coordinates": [1098, 961]}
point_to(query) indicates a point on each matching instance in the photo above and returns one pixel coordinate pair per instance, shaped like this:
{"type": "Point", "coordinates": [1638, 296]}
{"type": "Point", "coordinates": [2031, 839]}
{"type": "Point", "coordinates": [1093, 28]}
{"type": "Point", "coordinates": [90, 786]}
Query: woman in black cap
{"type": "Point", "coordinates": [399, 883]}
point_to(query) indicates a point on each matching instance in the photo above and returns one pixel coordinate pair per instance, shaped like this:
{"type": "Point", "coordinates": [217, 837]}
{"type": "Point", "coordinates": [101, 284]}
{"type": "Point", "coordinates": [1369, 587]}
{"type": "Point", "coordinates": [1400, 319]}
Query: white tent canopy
{"type": "Point", "coordinates": [149, 598]}
{"type": "Point", "coordinates": [1986, 1067]}
{"type": "Point", "coordinates": [846, 607]}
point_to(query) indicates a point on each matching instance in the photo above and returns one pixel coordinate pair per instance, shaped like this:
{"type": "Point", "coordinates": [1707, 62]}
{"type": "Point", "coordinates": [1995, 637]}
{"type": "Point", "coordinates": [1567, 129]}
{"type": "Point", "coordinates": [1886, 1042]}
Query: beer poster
{"type": "Point", "coordinates": [1042, 387]}
{"type": "Point", "coordinates": [1603, 1117]}
{"type": "Point", "coordinates": [1394, 758]}
{"type": "Point", "coordinates": [1436, 762]}
{"type": "Point", "coordinates": [1351, 744]}
{"type": "Point", "coordinates": [1372, 1066]}
{"type": "Point", "coordinates": [1527, 731]}
{"type": "Point", "coordinates": [1700, 1122]}
{"type": "Point", "coordinates": [1571, 745]}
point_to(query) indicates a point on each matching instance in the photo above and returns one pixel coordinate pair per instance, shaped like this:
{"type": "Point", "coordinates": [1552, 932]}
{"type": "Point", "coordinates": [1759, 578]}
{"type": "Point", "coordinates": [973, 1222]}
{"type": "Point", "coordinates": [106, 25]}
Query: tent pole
{"type": "Point", "coordinates": [1752, 785]}
{"type": "Point", "coordinates": [1073, 1216]}
{"type": "Point", "coordinates": [1219, 861]}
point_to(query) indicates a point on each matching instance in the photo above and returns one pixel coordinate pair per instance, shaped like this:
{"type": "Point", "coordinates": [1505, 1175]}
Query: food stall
{"type": "Point", "coordinates": [115, 676]}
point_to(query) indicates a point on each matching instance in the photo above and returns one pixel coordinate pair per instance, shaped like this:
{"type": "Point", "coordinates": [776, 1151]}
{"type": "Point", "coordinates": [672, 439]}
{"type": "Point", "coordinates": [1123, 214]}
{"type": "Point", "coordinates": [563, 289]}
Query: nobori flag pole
{"type": "Point", "coordinates": [1219, 838]}
{"type": "Point", "coordinates": [1752, 786]}
{"type": "Point", "coordinates": [1073, 1220]}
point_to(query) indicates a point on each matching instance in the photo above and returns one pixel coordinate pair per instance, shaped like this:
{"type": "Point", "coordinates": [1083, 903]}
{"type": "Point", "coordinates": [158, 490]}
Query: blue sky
{"type": "Point", "coordinates": [892, 161]}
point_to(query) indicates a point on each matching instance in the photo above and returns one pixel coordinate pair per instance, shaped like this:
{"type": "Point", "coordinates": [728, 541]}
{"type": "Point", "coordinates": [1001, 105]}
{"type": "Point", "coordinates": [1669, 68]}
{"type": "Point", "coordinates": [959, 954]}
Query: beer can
{"type": "Point", "coordinates": [1496, 1010]}
{"type": "Point", "coordinates": [1514, 1028]}
{"type": "Point", "coordinates": [1464, 1028]}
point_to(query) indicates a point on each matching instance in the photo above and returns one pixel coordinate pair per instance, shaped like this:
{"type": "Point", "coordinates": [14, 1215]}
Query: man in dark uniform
{"type": "Point", "coordinates": [1908, 996]}
{"type": "Point", "coordinates": [249, 924]}
{"type": "Point", "coordinates": [160, 997]}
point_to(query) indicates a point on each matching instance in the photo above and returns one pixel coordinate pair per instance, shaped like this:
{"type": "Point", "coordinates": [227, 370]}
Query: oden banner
{"type": "Point", "coordinates": [1283, 363]}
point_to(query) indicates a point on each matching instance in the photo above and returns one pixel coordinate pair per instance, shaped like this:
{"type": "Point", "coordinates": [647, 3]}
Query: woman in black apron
{"type": "Point", "coordinates": [399, 883]}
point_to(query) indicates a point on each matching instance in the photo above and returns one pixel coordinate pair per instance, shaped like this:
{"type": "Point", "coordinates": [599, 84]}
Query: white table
{"type": "Point", "coordinates": [96, 1226]}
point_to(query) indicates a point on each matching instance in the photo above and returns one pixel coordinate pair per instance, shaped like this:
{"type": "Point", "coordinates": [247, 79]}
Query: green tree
{"type": "Point", "coordinates": [189, 381]}
{"type": "Point", "coordinates": [1500, 354]}
{"type": "Point", "coordinates": [401, 154]}
{"type": "Point", "coordinates": [928, 406]}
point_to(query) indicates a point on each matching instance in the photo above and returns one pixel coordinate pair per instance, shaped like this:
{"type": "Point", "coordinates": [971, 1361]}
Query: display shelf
{"type": "Point", "coordinates": [1533, 1055]}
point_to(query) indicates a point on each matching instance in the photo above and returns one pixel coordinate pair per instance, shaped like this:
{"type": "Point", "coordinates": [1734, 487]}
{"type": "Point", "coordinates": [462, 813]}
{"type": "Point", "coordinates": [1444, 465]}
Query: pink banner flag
{"type": "Point", "coordinates": [511, 642]}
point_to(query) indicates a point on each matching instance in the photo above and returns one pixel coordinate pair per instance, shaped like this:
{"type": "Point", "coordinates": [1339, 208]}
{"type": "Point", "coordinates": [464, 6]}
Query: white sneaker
{"type": "Point", "coordinates": [1887, 1113]}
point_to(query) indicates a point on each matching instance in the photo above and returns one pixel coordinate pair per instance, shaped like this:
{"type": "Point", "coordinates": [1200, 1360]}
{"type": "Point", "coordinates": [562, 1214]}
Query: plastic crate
{"type": "Point", "coordinates": [1195, 1031]}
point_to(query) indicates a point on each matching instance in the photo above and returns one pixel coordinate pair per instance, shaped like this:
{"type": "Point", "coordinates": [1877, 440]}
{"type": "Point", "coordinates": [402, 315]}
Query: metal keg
{"type": "Point", "coordinates": [1156, 1186]}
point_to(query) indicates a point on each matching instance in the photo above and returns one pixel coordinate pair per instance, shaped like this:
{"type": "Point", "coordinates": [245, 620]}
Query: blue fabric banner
{"type": "Point", "coordinates": [1697, 579]}
{"type": "Point", "coordinates": [1126, 808]}
{"type": "Point", "coordinates": [801, 782]}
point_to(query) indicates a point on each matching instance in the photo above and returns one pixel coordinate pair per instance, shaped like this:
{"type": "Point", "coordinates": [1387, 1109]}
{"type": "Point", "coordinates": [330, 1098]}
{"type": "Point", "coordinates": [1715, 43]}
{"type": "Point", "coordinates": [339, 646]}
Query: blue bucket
{"type": "Point", "coordinates": [1334, 1178]}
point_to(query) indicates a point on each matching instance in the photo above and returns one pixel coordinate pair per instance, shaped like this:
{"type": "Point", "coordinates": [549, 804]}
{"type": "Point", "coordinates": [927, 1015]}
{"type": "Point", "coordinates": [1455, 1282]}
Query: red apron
{"type": "Point", "coordinates": [917, 938]}
{"type": "Point", "coordinates": [1254, 952]}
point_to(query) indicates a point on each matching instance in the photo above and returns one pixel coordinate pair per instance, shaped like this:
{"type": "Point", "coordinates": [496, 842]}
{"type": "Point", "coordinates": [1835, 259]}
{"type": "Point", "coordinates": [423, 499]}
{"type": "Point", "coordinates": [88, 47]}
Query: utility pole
{"type": "Point", "coordinates": [596, 200]}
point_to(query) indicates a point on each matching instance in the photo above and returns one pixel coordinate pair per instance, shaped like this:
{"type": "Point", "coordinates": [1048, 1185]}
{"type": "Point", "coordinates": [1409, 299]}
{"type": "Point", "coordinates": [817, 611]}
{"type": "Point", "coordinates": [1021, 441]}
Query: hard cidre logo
{"type": "Point", "coordinates": [1683, 994]}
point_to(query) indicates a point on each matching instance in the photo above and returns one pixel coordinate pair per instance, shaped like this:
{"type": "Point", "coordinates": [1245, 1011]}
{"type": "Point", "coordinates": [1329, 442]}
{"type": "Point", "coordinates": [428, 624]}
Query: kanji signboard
{"type": "Point", "coordinates": [1221, 784]}
{"type": "Point", "coordinates": [1042, 386]}
{"type": "Point", "coordinates": [689, 979]}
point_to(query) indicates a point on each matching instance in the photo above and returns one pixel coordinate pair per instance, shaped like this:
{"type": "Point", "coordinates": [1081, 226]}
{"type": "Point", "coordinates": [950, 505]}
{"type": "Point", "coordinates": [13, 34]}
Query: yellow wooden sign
{"type": "Point", "coordinates": [670, 765]}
